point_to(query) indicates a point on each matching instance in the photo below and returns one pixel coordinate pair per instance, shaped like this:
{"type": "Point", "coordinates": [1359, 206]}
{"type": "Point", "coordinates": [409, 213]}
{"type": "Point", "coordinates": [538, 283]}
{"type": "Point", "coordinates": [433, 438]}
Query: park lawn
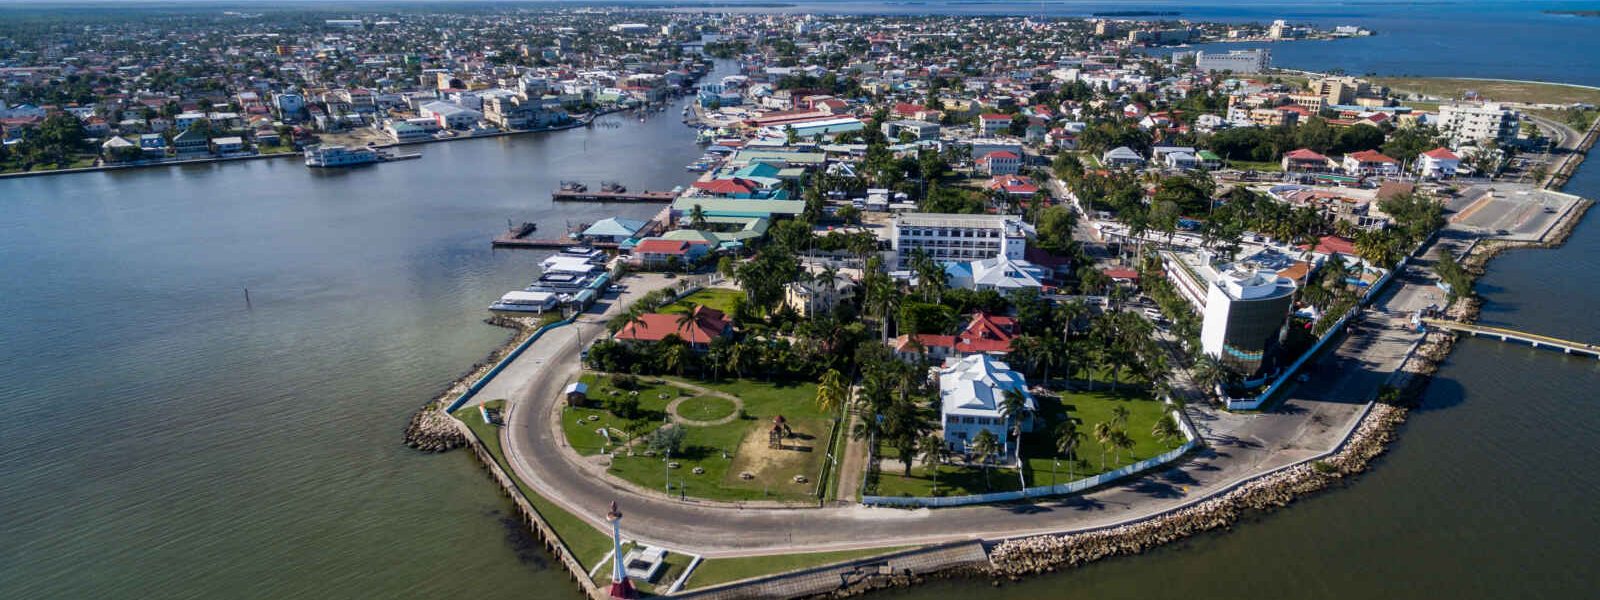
{"type": "Point", "coordinates": [1102, 378]}
{"type": "Point", "coordinates": [724, 451]}
{"type": "Point", "coordinates": [713, 571]}
{"type": "Point", "coordinates": [953, 480]}
{"type": "Point", "coordinates": [744, 443]}
{"type": "Point", "coordinates": [1246, 165]}
{"type": "Point", "coordinates": [718, 298]}
{"type": "Point", "coordinates": [765, 399]}
{"type": "Point", "coordinates": [1038, 447]}
{"type": "Point", "coordinates": [1504, 91]}
{"type": "Point", "coordinates": [583, 433]}
{"type": "Point", "coordinates": [586, 543]}
{"type": "Point", "coordinates": [706, 408]}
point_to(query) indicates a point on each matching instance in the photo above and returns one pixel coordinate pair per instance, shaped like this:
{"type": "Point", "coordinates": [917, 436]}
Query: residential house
{"type": "Point", "coordinates": [1000, 273]}
{"type": "Point", "coordinates": [657, 253]}
{"type": "Point", "coordinates": [1122, 157]}
{"type": "Point", "coordinates": [808, 298]}
{"type": "Point", "coordinates": [1306, 160]}
{"type": "Point", "coordinates": [991, 124]}
{"type": "Point", "coordinates": [698, 328]}
{"type": "Point", "coordinates": [1438, 163]}
{"type": "Point", "coordinates": [1002, 162]}
{"type": "Point", "coordinates": [972, 393]}
{"type": "Point", "coordinates": [984, 334]}
{"type": "Point", "coordinates": [1370, 163]}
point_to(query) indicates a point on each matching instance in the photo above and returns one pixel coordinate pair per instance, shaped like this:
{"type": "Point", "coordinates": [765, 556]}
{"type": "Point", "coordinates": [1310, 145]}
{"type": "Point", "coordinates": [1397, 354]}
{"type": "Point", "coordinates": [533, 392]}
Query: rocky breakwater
{"type": "Point", "coordinates": [1040, 554]}
{"type": "Point", "coordinates": [431, 429]}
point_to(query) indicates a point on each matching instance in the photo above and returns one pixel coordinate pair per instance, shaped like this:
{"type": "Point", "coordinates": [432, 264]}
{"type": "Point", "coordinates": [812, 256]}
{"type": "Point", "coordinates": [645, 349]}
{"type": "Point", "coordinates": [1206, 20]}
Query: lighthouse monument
{"type": "Point", "coordinates": [620, 586]}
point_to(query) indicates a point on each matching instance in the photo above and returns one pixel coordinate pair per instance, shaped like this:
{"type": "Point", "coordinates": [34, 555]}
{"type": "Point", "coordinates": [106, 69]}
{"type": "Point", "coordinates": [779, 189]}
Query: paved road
{"type": "Point", "coordinates": [1313, 420]}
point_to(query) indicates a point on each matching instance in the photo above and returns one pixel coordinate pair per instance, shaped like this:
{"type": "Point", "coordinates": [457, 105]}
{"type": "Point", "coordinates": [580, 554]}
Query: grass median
{"type": "Point", "coordinates": [715, 571]}
{"type": "Point", "coordinates": [586, 543]}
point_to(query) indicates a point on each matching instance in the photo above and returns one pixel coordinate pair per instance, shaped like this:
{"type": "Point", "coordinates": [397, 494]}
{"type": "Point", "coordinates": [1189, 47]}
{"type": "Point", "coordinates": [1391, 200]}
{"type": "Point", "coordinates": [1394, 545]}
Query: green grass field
{"type": "Point", "coordinates": [1245, 165]}
{"type": "Point", "coordinates": [706, 408]}
{"type": "Point", "coordinates": [718, 298]}
{"type": "Point", "coordinates": [1038, 449]}
{"type": "Point", "coordinates": [951, 480]}
{"type": "Point", "coordinates": [586, 543]}
{"type": "Point", "coordinates": [722, 570]}
{"type": "Point", "coordinates": [723, 451]}
{"type": "Point", "coordinates": [1090, 408]}
{"type": "Point", "coordinates": [1504, 91]}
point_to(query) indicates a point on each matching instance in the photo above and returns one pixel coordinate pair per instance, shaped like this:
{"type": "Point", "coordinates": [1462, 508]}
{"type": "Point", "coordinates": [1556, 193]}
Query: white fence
{"type": "Point", "coordinates": [1193, 441]}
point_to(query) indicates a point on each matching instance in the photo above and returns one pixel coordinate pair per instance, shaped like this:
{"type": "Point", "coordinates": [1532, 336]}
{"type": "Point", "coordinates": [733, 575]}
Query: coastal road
{"type": "Point", "coordinates": [1313, 420]}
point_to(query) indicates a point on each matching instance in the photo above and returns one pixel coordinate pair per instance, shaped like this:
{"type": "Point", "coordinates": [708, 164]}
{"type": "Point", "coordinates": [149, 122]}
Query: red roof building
{"type": "Point", "coordinates": [703, 325]}
{"type": "Point", "coordinates": [984, 334]}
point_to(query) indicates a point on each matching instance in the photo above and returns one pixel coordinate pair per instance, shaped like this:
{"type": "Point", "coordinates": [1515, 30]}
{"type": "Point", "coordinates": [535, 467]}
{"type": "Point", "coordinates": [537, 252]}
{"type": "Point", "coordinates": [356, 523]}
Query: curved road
{"type": "Point", "coordinates": [1314, 420]}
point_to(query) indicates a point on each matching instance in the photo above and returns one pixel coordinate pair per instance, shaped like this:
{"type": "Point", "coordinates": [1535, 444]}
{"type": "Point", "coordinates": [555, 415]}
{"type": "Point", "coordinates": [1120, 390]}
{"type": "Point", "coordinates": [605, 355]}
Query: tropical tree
{"type": "Point", "coordinates": [1104, 432]}
{"type": "Point", "coordinates": [985, 446]}
{"type": "Point", "coordinates": [1067, 440]}
{"type": "Point", "coordinates": [831, 391]}
{"type": "Point", "coordinates": [697, 217]}
{"type": "Point", "coordinates": [933, 451]}
{"type": "Point", "coordinates": [1166, 429]}
{"type": "Point", "coordinates": [675, 354]}
{"type": "Point", "coordinates": [1120, 440]}
{"type": "Point", "coordinates": [1014, 405]}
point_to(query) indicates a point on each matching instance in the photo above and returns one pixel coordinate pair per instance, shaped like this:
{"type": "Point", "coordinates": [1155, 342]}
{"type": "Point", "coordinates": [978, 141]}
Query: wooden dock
{"type": "Point", "coordinates": [586, 196]}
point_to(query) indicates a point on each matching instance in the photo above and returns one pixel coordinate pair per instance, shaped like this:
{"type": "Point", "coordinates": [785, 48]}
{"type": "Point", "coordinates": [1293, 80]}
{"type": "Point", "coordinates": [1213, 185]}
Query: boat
{"type": "Point", "coordinates": [574, 186]}
{"type": "Point", "coordinates": [321, 156]}
{"type": "Point", "coordinates": [612, 187]}
{"type": "Point", "coordinates": [526, 301]}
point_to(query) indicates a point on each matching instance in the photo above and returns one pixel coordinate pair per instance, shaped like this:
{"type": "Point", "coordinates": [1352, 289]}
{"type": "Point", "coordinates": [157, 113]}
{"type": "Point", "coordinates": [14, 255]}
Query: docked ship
{"type": "Point", "coordinates": [340, 156]}
{"type": "Point", "coordinates": [575, 275]}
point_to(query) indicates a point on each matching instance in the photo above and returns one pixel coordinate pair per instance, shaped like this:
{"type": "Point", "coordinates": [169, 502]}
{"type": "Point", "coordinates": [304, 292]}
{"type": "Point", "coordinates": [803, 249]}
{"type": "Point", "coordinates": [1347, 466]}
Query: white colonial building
{"type": "Point", "coordinates": [971, 393]}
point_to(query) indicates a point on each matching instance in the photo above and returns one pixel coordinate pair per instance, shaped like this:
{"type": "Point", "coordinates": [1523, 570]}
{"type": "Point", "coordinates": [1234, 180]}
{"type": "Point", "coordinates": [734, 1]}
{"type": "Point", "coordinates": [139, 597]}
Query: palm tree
{"type": "Point", "coordinates": [1166, 429]}
{"type": "Point", "coordinates": [697, 217]}
{"type": "Point", "coordinates": [1208, 372]}
{"type": "Point", "coordinates": [739, 358]}
{"type": "Point", "coordinates": [1103, 434]}
{"type": "Point", "coordinates": [1119, 416]}
{"type": "Point", "coordinates": [985, 446]}
{"type": "Point", "coordinates": [934, 451]}
{"type": "Point", "coordinates": [1121, 441]}
{"type": "Point", "coordinates": [675, 354]}
{"type": "Point", "coordinates": [1014, 405]}
{"type": "Point", "coordinates": [831, 391]}
{"type": "Point", "coordinates": [1067, 439]}
{"type": "Point", "coordinates": [686, 318]}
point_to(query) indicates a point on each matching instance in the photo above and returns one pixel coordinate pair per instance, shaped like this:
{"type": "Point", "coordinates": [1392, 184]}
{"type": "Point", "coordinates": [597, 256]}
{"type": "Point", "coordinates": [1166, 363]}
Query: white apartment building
{"type": "Point", "coordinates": [1238, 61]}
{"type": "Point", "coordinates": [1474, 122]}
{"type": "Point", "coordinates": [957, 238]}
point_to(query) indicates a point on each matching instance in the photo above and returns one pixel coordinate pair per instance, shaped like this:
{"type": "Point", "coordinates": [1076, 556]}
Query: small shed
{"type": "Point", "coordinates": [578, 394]}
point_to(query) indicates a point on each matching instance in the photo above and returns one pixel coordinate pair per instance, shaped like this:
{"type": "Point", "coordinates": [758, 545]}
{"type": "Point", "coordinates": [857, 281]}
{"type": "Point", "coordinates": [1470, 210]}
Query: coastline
{"type": "Point", "coordinates": [1014, 558]}
{"type": "Point", "coordinates": [577, 123]}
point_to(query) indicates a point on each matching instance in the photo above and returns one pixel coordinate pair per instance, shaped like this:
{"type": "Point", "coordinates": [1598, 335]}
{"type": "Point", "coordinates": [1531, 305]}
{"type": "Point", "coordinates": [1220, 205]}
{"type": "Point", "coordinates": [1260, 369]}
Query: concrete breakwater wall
{"type": "Point", "coordinates": [530, 516]}
{"type": "Point", "coordinates": [1045, 553]}
{"type": "Point", "coordinates": [431, 429]}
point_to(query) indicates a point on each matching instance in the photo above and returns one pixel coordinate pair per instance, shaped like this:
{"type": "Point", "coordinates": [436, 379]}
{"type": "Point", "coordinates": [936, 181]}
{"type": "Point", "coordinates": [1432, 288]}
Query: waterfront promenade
{"type": "Point", "coordinates": [1314, 419]}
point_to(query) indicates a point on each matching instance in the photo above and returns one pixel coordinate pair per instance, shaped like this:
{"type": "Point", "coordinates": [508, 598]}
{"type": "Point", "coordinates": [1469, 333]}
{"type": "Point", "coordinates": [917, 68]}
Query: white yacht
{"type": "Point", "coordinates": [524, 301]}
{"type": "Point", "coordinates": [340, 156]}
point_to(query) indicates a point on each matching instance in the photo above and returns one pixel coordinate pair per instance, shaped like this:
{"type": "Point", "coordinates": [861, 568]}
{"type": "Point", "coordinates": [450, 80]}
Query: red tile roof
{"type": "Point", "coordinates": [1441, 153]}
{"type": "Point", "coordinates": [706, 324]}
{"type": "Point", "coordinates": [1332, 244]}
{"type": "Point", "coordinates": [660, 246]}
{"type": "Point", "coordinates": [1371, 156]}
{"type": "Point", "coordinates": [1304, 154]}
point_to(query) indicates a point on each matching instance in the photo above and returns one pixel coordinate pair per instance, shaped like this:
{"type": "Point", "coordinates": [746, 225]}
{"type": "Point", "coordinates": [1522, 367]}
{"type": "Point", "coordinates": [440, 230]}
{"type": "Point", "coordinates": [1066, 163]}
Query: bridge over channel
{"type": "Point", "coordinates": [1511, 335]}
